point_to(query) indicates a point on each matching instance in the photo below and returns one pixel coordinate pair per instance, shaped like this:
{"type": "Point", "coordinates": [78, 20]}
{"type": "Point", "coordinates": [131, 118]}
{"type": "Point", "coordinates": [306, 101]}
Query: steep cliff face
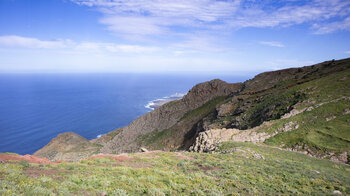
{"type": "Point", "coordinates": [167, 115]}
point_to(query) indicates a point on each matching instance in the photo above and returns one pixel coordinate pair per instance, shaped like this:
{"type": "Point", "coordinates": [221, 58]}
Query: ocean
{"type": "Point", "coordinates": [34, 108]}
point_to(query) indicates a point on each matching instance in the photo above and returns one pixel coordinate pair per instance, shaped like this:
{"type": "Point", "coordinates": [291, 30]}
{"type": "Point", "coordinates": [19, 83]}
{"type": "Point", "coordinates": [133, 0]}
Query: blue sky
{"type": "Point", "coordinates": [234, 36]}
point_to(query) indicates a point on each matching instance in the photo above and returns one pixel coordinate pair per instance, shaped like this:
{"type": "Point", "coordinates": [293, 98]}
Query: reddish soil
{"type": "Point", "coordinates": [125, 160]}
{"type": "Point", "coordinates": [149, 154]}
{"type": "Point", "coordinates": [183, 157]}
{"type": "Point", "coordinates": [207, 168]}
{"type": "Point", "coordinates": [121, 157]}
{"type": "Point", "coordinates": [35, 172]}
{"type": "Point", "coordinates": [27, 157]}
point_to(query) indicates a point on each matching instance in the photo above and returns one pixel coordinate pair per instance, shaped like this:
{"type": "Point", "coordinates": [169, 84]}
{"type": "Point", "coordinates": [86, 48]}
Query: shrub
{"type": "Point", "coordinates": [24, 164]}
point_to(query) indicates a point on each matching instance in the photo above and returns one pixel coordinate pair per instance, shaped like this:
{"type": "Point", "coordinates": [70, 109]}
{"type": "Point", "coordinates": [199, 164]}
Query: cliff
{"type": "Point", "coordinates": [301, 109]}
{"type": "Point", "coordinates": [165, 116]}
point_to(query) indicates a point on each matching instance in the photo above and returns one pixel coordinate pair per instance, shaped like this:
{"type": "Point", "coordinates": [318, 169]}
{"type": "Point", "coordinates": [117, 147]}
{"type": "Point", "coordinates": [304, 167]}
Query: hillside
{"type": "Point", "coordinates": [285, 132]}
{"type": "Point", "coordinates": [301, 109]}
{"type": "Point", "coordinates": [235, 169]}
{"type": "Point", "coordinates": [308, 112]}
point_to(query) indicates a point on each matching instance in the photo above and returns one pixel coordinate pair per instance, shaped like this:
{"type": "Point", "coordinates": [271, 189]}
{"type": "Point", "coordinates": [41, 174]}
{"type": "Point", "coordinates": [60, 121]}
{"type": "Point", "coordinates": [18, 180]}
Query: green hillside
{"type": "Point", "coordinates": [326, 125]}
{"type": "Point", "coordinates": [240, 168]}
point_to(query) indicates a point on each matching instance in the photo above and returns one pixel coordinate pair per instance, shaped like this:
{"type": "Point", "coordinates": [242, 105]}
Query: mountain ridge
{"type": "Point", "coordinates": [219, 105]}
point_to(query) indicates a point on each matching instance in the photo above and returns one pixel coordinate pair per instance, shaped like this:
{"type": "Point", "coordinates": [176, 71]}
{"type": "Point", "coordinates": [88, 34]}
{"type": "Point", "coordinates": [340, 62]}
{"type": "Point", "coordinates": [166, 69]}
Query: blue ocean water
{"type": "Point", "coordinates": [34, 108]}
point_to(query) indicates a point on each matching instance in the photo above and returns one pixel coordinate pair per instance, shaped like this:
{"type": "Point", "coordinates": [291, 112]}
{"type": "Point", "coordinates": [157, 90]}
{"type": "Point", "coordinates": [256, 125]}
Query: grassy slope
{"type": "Point", "coordinates": [169, 173]}
{"type": "Point", "coordinates": [314, 130]}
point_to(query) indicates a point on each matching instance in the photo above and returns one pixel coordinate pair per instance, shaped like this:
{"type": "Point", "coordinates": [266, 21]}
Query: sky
{"type": "Point", "coordinates": [202, 36]}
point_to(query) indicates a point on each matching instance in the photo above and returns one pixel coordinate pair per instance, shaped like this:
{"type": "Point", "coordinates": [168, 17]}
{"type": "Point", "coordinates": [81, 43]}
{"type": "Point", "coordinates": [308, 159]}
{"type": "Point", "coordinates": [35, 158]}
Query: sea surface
{"type": "Point", "coordinates": [34, 108]}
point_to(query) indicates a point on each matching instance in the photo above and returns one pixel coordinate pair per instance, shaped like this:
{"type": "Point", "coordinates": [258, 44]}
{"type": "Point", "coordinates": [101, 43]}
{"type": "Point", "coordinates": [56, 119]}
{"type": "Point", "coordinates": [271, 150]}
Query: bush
{"type": "Point", "coordinates": [24, 164]}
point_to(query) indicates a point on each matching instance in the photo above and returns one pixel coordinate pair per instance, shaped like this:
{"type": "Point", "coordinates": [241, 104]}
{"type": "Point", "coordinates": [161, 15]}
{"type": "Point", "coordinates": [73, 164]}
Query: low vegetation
{"type": "Point", "coordinates": [243, 168]}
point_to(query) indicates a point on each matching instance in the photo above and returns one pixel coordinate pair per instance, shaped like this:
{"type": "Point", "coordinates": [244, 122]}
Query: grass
{"type": "Point", "coordinates": [273, 107]}
{"type": "Point", "coordinates": [182, 173]}
{"type": "Point", "coordinates": [204, 109]}
{"type": "Point", "coordinates": [9, 153]}
{"type": "Point", "coordinates": [314, 129]}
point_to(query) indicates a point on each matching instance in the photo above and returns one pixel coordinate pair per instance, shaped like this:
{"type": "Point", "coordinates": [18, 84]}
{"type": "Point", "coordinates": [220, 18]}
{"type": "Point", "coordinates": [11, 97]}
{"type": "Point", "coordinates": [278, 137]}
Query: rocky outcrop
{"type": "Point", "coordinates": [208, 141]}
{"type": "Point", "coordinates": [343, 157]}
{"type": "Point", "coordinates": [68, 146]}
{"type": "Point", "coordinates": [168, 115]}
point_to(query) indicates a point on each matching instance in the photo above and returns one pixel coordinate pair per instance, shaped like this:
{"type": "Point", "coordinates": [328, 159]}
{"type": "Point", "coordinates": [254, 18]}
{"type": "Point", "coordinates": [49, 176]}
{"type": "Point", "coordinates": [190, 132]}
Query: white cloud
{"type": "Point", "coordinates": [131, 48]}
{"type": "Point", "coordinates": [69, 46]}
{"type": "Point", "coordinates": [272, 43]}
{"type": "Point", "coordinates": [203, 10]}
{"type": "Point", "coordinates": [27, 42]}
{"type": "Point", "coordinates": [333, 26]}
{"type": "Point", "coordinates": [133, 25]}
{"type": "Point", "coordinates": [347, 52]}
{"type": "Point", "coordinates": [144, 18]}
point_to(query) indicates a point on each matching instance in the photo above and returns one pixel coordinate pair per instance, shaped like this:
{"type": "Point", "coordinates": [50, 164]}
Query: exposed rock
{"type": "Point", "coordinates": [332, 156]}
{"type": "Point", "coordinates": [288, 127]}
{"type": "Point", "coordinates": [341, 158]}
{"type": "Point", "coordinates": [208, 141]}
{"type": "Point", "coordinates": [143, 150]}
{"type": "Point", "coordinates": [258, 156]}
{"type": "Point", "coordinates": [310, 108]}
{"type": "Point", "coordinates": [224, 109]}
{"type": "Point", "coordinates": [330, 118]}
{"type": "Point", "coordinates": [295, 112]}
{"type": "Point", "coordinates": [336, 192]}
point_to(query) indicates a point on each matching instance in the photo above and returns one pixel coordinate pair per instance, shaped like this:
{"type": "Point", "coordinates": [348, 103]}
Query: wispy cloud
{"type": "Point", "coordinates": [333, 26]}
{"type": "Point", "coordinates": [27, 42]}
{"type": "Point", "coordinates": [272, 43]}
{"type": "Point", "coordinates": [140, 18]}
{"type": "Point", "coordinates": [14, 41]}
{"type": "Point", "coordinates": [347, 52]}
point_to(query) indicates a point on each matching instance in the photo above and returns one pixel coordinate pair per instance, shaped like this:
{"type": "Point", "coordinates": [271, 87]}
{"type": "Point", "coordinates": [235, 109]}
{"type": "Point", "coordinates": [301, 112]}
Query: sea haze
{"type": "Point", "coordinates": [34, 108]}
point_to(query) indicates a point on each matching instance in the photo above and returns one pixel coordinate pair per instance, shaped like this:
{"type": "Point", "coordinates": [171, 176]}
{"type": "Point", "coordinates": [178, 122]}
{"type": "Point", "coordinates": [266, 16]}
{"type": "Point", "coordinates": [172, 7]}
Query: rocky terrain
{"type": "Point", "coordinates": [301, 109]}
